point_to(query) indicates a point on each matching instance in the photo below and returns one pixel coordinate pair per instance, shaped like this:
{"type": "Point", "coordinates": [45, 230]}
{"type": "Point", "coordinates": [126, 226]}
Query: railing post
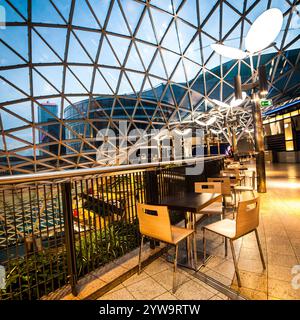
{"type": "Point", "coordinates": [69, 235]}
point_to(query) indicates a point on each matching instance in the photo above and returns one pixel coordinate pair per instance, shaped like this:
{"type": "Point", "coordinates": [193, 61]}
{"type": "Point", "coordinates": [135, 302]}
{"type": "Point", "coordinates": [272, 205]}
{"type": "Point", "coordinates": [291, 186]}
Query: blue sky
{"type": "Point", "coordinates": [114, 49]}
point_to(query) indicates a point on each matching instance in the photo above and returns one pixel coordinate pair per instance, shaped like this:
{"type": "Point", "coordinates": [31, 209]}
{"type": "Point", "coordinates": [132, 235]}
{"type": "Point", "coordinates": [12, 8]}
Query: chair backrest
{"type": "Point", "coordinates": [251, 174]}
{"type": "Point", "coordinates": [234, 174]}
{"type": "Point", "coordinates": [225, 184]}
{"type": "Point", "coordinates": [208, 187]}
{"type": "Point", "coordinates": [247, 218]}
{"type": "Point", "coordinates": [154, 222]}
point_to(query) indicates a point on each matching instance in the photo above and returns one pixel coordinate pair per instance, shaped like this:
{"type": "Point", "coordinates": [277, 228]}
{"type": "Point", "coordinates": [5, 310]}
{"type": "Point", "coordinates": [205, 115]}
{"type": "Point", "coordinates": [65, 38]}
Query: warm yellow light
{"type": "Point", "coordinates": [289, 145]}
{"type": "Point", "coordinates": [286, 115]}
{"type": "Point", "coordinates": [279, 117]}
{"type": "Point", "coordinates": [294, 113]}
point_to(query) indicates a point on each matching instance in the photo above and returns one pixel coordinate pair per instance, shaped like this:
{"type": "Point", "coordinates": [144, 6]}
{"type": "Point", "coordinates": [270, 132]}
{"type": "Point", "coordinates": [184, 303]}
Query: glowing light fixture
{"type": "Point", "coordinates": [261, 35]}
{"type": "Point", "coordinates": [220, 104]}
{"type": "Point", "coordinates": [228, 52]}
{"type": "Point", "coordinates": [264, 30]}
{"type": "Point", "coordinates": [211, 121]}
{"type": "Point", "coordinates": [237, 102]}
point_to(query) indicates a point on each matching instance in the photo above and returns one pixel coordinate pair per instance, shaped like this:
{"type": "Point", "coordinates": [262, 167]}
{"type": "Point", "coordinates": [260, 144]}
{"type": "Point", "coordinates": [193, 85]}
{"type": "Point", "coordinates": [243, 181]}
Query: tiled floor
{"type": "Point", "coordinates": [280, 238]}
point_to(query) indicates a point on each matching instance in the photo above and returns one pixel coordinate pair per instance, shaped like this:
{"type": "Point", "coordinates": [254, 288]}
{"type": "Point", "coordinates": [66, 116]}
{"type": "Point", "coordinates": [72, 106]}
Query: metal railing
{"type": "Point", "coordinates": [57, 227]}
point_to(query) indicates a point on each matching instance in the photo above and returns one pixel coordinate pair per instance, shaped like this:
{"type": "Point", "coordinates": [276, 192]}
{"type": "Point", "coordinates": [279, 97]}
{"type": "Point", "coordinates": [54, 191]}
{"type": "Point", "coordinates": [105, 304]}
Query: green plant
{"type": "Point", "coordinates": [38, 274]}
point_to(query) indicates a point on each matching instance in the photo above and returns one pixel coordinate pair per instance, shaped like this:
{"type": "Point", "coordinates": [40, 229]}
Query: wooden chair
{"type": "Point", "coordinates": [226, 190]}
{"type": "Point", "coordinates": [154, 222]}
{"type": "Point", "coordinates": [247, 221]}
{"type": "Point", "coordinates": [250, 188]}
{"type": "Point", "coordinates": [211, 187]}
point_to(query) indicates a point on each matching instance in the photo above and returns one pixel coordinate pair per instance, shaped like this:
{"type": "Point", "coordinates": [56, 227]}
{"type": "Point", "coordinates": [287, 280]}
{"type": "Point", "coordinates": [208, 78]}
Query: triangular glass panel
{"type": "Point", "coordinates": [191, 69]}
{"type": "Point", "coordinates": [25, 134]}
{"type": "Point", "coordinates": [189, 12]}
{"type": "Point", "coordinates": [10, 34]}
{"type": "Point", "coordinates": [19, 79]}
{"type": "Point", "coordinates": [43, 11]}
{"type": "Point", "coordinates": [55, 37]}
{"type": "Point", "coordinates": [64, 7]}
{"type": "Point", "coordinates": [41, 87]}
{"type": "Point", "coordinates": [199, 85]}
{"type": "Point", "coordinates": [193, 52]}
{"type": "Point", "coordinates": [171, 40]}
{"type": "Point", "coordinates": [185, 103]}
{"type": "Point", "coordinates": [179, 75]}
{"type": "Point", "coordinates": [133, 60]}
{"type": "Point", "coordinates": [185, 34]}
{"type": "Point", "coordinates": [145, 31]}
{"type": "Point", "coordinates": [21, 6]}
{"type": "Point", "coordinates": [205, 8]}
{"type": "Point", "coordinates": [136, 80]}
{"type": "Point", "coordinates": [179, 92]}
{"type": "Point", "coordinates": [41, 53]}
{"type": "Point", "coordinates": [133, 11]}
{"type": "Point", "coordinates": [212, 25]}
{"type": "Point", "coordinates": [171, 60]}
{"type": "Point", "coordinates": [100, 86]}
{"type": "Point", "coordinates": [77, 53]}
{"type": "Point", "coordinates": [11, 15]}
{"type": "Point", "coordinates": [157, 67]}
{"type": "Point", "coordinates": [21, 109]}
{"type": "Point", "coordinates": [72, 85]}
{"type": "Point", "coordinates": [125, 87]}
{"type": "Point", "coordinates": [165, 5]}
{"type": "Point", "coordinates": [84, 74]}
{"type": "Point", "coordinates": [90, 41]}
{"type": "Point", "coordinates": [166, 95]}
{"type": "Point", "coordinates": [119, 112]}
{"type": "Point", "coordinates": [231, 19]}
{"type": "Point", "coordinates": [161, 20]}
{"type": "Point", "coordinates": [146, 52]}
{"type": "Point", "coordinates": [107, 56]}
{"type": "Point", "coordinates": [13, 144]}
{"type": "Point", "coordinates": [100, 9]}
{"type": "Point", "coordinates": [10, 122]}
{"type": "Point", "coordinates": [8, 57]}
{"type": "Point", "coordinates": [140, 112]}
{"type": "Point", "coordinates": [83, 16]}
{"type": "Point", "coordinates": [116, 21]}
{"type": "Point", "coordinates": [111, 76]}
{"type": "Point", "coordinates": [120, 46]}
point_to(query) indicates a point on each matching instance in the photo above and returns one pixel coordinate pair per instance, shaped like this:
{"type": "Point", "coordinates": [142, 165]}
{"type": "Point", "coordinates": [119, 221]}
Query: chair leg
{"type": "Point", "coordinates": [140, 255]}
{"type": "Point", "coordinates": [175, 268]}
{"type": "Point", "coordinates": [235, 264]}
{"type": "Point", "coordinates": [204, 247]}
{"type": "Point", "coordinates": [195, 250]}
{"type": "Point", "coordinates": [226, 249]}
{"type": "Point", "coordinates": [260, 250]}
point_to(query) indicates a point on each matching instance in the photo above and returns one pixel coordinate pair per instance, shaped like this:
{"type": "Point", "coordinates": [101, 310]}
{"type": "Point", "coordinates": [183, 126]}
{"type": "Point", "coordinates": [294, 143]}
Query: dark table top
{"type": "Point", "coordinates": [192, 202]}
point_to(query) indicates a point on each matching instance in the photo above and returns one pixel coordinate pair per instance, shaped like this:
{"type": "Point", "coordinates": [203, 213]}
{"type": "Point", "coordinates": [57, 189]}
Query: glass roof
{"type": "Point", "coordinates": [69, 68]}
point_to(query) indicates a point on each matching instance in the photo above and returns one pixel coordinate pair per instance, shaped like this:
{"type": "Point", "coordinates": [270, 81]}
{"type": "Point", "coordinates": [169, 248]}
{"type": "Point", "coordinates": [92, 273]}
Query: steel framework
{"type": "Point", "coordinates": [71, 50]}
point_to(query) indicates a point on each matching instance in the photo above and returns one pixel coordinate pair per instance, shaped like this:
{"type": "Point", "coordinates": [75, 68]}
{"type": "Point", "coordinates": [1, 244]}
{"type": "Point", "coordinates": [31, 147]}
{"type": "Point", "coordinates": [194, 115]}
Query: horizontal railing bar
{"type": "Point", "coordinates": [14, 179]}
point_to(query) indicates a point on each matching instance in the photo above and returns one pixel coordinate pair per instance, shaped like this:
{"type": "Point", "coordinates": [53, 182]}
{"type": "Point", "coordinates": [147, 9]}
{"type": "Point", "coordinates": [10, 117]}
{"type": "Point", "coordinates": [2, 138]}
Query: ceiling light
{"type": "Point", "coordinates": [228, 52]}
{"type": "Point", "coordinates": [201, 123]}
{"type": "Point", "coordinates": [264, 30]}
{"type": "Point", "coordinates": [236, 102]}
{"type": "Point", "coordinates": [211, 121]}
{"type": "Point", "coordinates": [220, 104]}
